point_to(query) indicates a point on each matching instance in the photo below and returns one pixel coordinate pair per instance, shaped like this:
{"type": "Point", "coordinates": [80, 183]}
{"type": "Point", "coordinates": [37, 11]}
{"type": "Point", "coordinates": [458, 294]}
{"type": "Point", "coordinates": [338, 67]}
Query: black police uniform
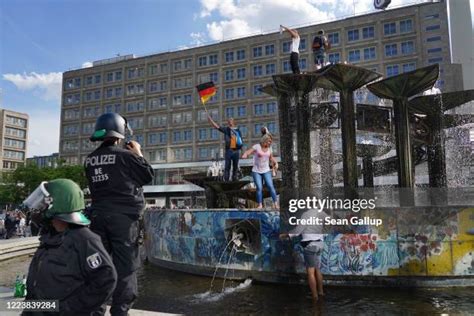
{"type": "Point", "coordinates": [74, 268]}
{"type": "Point", "coordinates": [116, 177]}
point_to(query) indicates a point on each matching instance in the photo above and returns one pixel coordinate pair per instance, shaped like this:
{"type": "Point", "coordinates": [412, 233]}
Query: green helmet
{"type": "Point", "coordinates": [67, 202]}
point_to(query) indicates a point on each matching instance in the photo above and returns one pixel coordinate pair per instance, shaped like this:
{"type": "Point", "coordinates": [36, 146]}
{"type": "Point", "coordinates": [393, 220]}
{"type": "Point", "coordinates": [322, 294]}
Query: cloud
{"type": "Point", "coordinates": [237, 18]}
{"type": "Point", "coordinates": [87, 64]}
{"type": "Point", "coordinates": [48, 85]}
{"type": "Point", "coordinates": [198, 38]}
{"type": "Point", "coordinates": [43, 133]}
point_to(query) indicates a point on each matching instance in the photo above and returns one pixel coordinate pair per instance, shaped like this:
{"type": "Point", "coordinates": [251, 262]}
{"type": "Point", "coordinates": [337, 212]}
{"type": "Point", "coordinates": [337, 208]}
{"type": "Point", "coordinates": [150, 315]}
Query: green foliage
{"type": "Point", "coordinates": [17, 185]}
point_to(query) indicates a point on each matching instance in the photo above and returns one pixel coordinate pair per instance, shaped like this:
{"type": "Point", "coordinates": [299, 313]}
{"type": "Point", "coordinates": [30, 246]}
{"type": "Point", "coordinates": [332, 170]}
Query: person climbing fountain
{"type": "Point", "coordinates": [233, 144]}
{"type": "Point", "coordinates": [261, 168]}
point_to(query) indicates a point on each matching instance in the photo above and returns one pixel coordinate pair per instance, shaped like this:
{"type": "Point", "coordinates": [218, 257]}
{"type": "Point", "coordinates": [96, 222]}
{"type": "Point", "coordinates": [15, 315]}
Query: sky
{"type": "Point", "coordinates": [41, 39]}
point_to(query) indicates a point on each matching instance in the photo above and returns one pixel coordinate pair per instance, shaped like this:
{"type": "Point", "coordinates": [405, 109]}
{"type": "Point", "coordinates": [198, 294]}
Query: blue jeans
{"type": "Point", "coordinates": [231, 156]}
{"type": "Point", "coordinates": [258, 178]}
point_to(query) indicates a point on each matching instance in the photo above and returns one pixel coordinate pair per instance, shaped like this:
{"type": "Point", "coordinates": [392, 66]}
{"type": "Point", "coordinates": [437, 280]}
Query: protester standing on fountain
{"type": "Point", "coordinates": [261, 168]}
{"type": "Point", "coordinates": [116, 176]}
{"type": "Point", "coordinates": [320, 46]}
{"type": "Point", "coordinates": [233, 144]}
{"type": "Point", "coordinates": [295, 44]}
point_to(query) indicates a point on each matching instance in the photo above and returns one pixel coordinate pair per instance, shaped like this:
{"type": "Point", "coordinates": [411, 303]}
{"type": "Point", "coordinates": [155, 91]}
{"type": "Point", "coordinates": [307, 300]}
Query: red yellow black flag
{"type": "Point", "coordinates": [206, 91]}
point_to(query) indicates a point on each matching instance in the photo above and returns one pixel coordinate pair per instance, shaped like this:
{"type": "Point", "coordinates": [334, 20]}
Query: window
{"type": "Point", "coordinates": [164, 68]}
{"type": "Point", "coordinates": [258, 109]}
{"type": "Point", "coordinates": [354, 55]}
{"type": "Point", "coordinates": [188, 99]}
{"type": "Point", "coordinates": [93, 111]}
{"type": "Point", "coordinates": [202, 61]}
{"type": "Point", "coordinates": [202, 134]}
{"type": "Point", "coordinates": [391, 50]}
{"type": "Point", "coordinates": [241, 54]}
{"type": "Point", "coordinates": [213, 134]}
{"type": "Point", "coordinates": [271, 107]}
{"type": "Point", "coordinates": [157, 103]}
{"type": "Point", "coordinates": [302, 44]}
{"type": "Point", "coordinates": [433, 39]}
{"type": "Point", "coordinates": [136, 122]}
{"type": "Point", "coordinates": [163, 137]}
{"type": "Point", "coordinates": [229, 75]}
{"type": "Point", "coordinates": [22, 134]}
{"type": "Point", "coordinates": [406, 26]}
{"type": "Point", "coordinates": [407, 48]}
{"type": "Point", "coordinates": [286, 66]}
{"type": "Point", "coordinates": [244, 130]}
{"type": "Point", "coordinates": [257, 70]}
{"type": "Point", "coordinates": [88, 80]}
{"type": "Point", "coordinates": [256, 89]}
{"type": "Point", "coordinates": [272, 128]}
{"type": "Point", "coordinates": [229, 112]}
{"type": "Point", "coordinates": [434, 50]}
{"type": "Point", "coordinates": [97, 79]}
{"type": "Point", "coordinates": [389, 28]}
{"type": "Point", "coordinates": [177, 136]}
{"type": "Point", "coordinates": [392, 70]}
{"type": "Point", "coordinates": [241, 73]}
{"type": "Point", "coordinates": [229, 93]}
{"type": "Point", "coordinates": [353, 35]}
{"type": "Point", "coordinates": [286, 47]}
{"type": "Point", "coordinates": [368, 32]}
{"type": "Point", "coordinates": [408, 67]}
{"type": "Point", "coordinates": [68, 130]}
{"type": "Point", "coordinates": [187, 135]}
{"type": "Point", "coordinates": [431, 16]}
{"type": "Point", "coordinates": [135, 72]}
{"type": "Point", "coordinates": [16, 121]}
{"type": "Point", "coordinates": [269, 49]}
{"type": "Point", "coordinates": [135, 106]}
{"type": "Point", "coordinates": [177, 65]}
{"type": "Point", "coordinates": [135, 89]}
{"type": "Point", "coordinates": [153, 138]}
{"type": "Point", "coordinates": [369, 53]}
{"type": "Point", "coordinates": [229, 57]}
{"type": "Point", "coordinates": [112, 108]}
{"type": "Point", "coordinates": [433, 27]}
{"type": "Point", "coordinates": [333, 38]}
{"type": "Point", "coordinates": [188, 63]}
{"type": "Point", "coordinates": [257, 52]}
{"type": "Point", "coordinates": [435, 60]}
{"type": "Point", "coordinates": [242, 111]}
{"type": "Point", "coordinates": [214, 77]}
{"type": "Point", "coordinates": [241, 92]}
{"type": "Point", "coordinates": [302, 62]}
{"type": "Point", "coordinates": [257, 128]}
{"type": "Point", "coordinates": [157, 121]}
{"type": "Point", "coordinates": [334, 58]}
{"type": "Point", "coordinates": [213, 59]}
{"type": "Point", "coordinates": [270, 69]}
{"type": "Point", "coordinates": [71, 114]}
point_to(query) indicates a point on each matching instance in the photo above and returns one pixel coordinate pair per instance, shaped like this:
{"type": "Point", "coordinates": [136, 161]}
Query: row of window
{"type": "Point", "coordinates": [19, 144]}
{"type": "Point", "coordinates": [15, 132]}
{"type": "Point", "coordinates": [393, 70]}
{"type": "Point", "coordinates": [16, 121]}
{"type": "Point", "coordinates": [11, 164]}
{"type": "Point", "coordinates": [11, 154]}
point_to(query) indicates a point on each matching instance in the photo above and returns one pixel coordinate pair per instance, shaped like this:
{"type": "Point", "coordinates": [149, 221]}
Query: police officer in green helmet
{"type": "Point", "coordinates": [71, 264]}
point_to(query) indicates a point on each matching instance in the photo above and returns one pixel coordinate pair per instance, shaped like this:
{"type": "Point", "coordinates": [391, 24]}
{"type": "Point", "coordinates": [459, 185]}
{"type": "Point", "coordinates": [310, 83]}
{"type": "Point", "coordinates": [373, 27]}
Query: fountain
{"type": "Point", "coordinates": [423, 240]}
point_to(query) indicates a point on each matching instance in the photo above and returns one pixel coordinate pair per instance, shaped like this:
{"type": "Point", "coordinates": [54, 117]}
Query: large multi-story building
{"type": "Point", "coordinates": [157, 94]}
{"type": "Point", "coordinates": [14, 139]}
{"type": "Point", "coordinates": [49, 161]}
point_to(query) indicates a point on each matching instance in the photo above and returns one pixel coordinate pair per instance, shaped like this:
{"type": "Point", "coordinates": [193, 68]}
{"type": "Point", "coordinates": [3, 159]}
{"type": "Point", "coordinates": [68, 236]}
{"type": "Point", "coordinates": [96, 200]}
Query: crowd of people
{"type": "Point", "coordinates": [15, 224]}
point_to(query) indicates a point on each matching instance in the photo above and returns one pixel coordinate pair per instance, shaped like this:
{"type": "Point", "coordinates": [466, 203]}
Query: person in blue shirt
{"type": "Point", "coordinates": [233, 144]}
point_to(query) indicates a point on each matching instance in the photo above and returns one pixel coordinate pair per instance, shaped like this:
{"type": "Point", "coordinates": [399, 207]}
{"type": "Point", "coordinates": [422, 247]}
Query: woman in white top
{"type": "Point", "coordinates": [261, 168]}
{"type": "Point", "coordinates": [295, 45]}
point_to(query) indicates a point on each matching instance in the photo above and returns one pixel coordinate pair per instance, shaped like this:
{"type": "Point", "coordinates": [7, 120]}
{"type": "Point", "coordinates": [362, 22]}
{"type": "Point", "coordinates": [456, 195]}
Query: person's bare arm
{"type": "Point", "coordinates": [248, 153]}
{"type": "Point", "coordinates": [211, 121]}
{"type": "Point", "coordinates": [274, 162]}
{"type": "Point", "coordinates": [293, 33]}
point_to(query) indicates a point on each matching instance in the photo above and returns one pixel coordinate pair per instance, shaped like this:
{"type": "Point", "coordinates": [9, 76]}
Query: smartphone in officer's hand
{"type": "Point", "coordinates": [134, 147]}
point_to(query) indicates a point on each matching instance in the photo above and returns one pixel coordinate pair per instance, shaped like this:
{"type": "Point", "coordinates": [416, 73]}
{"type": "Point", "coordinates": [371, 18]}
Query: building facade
{"type": "Point", "coordinates": [14, 139]}
{"type": "Point", "coordinates": [157, 93]}
{"type": "Point", "coordinates": [50, 161]}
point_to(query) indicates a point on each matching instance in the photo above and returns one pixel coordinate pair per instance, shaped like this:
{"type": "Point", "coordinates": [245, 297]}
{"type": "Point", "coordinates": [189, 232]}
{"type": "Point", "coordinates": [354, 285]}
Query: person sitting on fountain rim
{"type": "Point", "coordinates": [312, 241]}
{"type": "Point", "coordinates": [261, 168]}
{"type": "Point", "coordinates": [233, 144]}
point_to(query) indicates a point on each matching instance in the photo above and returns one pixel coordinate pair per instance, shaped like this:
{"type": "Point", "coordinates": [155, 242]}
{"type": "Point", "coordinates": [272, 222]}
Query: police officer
{"type": "Point", "coordinates": [116, 176]}
{"type": "Point", "coordinates": [71, 264]}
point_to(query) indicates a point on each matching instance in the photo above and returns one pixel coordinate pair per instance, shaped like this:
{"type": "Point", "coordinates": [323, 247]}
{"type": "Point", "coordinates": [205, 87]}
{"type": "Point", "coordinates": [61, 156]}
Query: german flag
{"type": "Point", "coordinates": [206, 91]}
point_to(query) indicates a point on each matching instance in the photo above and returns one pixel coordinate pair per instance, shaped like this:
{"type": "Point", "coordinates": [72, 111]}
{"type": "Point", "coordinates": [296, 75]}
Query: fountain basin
{"type": "Point", "coordinates": [437, 251]}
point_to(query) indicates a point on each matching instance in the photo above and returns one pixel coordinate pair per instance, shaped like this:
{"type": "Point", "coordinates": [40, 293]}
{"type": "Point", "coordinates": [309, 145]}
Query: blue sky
{"type": "Point", "coordinates": [40, 39]}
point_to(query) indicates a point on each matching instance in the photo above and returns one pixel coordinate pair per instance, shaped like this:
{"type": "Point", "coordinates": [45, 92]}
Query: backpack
{"type": "Point", "coordinates": [317, 43]}
{"type": "Point", "coordinates": [235, 139]}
